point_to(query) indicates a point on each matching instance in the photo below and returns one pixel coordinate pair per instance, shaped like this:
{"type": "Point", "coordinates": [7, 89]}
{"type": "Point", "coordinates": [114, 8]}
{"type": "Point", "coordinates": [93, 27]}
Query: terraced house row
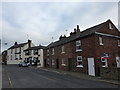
{"type": "Point", "coordinates": [82, 51]}
{"type": "Point", "coordinates": [86, 51]}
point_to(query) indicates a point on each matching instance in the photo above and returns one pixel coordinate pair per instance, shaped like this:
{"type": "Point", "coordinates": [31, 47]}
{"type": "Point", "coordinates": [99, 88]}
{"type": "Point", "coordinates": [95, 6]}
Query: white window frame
{"type": "Point", "coordinates": [48, 52]}
{"type": "Point", "coordinates": [105, 61]}
{"type": "Point", "coordinates": [119, 43]}
{"type": "Point", "coordinates": [110, 26]}
{"type": "Point", "coordinates": [78, 45]}
{"type": "Point", "coordinates": [53, 62]}
{"type": "Point", "coordinates": [63, 62]}
{"type": "Point", "coordinates": [79, 61]}
{"type": "Point", "coordinates": [63, 49]}
{"type": "Point", "coordinates": [101, 41]}
{"type": "Point", "coordinates": [48, 61]}
{"type": "Point", "coordinates": [53, 51]}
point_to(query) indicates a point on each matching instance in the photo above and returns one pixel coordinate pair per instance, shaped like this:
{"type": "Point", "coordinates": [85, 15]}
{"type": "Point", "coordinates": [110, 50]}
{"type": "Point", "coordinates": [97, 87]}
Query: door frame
{"type": "Point", "coordinates": [57, 63]}
{"type": "Point", "coordinates": [70, 64]}
{"type": "Point", "coordinates": [91, 66]}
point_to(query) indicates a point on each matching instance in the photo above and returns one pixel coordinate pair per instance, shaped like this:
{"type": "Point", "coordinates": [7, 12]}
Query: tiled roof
{"type": "Point", "coordinates": [18, 45]}
{"type": "Point", "coordinates": [35, 47]}
{"type": "Point", "coordinates": [84, 33]}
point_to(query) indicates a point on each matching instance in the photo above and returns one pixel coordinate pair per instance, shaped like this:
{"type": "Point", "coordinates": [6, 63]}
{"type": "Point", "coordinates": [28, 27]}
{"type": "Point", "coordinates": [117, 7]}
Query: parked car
{"type": "Point", "coordinates": [23, 64]}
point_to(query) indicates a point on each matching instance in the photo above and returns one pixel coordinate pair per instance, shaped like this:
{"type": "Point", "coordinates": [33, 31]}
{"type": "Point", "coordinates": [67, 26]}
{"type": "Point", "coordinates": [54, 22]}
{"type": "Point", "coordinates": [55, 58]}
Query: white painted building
{"type": "Point", "coordinates": [15, 53]}
{"type": "Point", "coordinates": [34, 55]}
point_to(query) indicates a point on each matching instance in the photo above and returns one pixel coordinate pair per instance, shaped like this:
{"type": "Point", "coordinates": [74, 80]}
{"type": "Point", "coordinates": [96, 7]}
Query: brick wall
{"type": "Point", "coordinates": [111, 73]}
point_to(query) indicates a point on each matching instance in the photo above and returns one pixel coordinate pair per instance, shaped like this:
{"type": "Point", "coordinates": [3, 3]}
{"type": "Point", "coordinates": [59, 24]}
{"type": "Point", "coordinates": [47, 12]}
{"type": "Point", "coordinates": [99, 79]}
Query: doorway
{"type": "Point", "coordinates": [91, 66]}
{"type": "Point", "coordinates": [70, 64]}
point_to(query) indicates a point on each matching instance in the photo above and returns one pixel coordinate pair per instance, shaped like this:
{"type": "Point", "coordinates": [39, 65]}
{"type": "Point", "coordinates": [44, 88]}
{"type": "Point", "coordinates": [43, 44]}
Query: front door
{"type": "Point", "coordinates": [70, 64]}
{"type": "Point", "coordinates": [118, 61]}
{"type": "Point", "coordinates": [57, 63]}
{"type": "Point", "coordinates": [91, 67]}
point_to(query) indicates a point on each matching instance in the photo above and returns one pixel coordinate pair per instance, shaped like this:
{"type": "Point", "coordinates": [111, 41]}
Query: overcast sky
{"type": "Point", "coordinates": [40, 21]}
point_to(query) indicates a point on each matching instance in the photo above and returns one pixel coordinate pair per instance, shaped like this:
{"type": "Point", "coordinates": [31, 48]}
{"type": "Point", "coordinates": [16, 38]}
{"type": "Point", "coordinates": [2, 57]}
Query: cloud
{"type": "Point", "coordinates": [44, 20]}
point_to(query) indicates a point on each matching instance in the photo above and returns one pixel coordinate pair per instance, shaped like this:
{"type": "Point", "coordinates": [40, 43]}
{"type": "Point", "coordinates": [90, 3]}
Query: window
{"type": "Point", "coordinates": [104, 62]}
{"type": "Point", "coordinates": [110, 26]}
{"type": "Point", "coordinates": [26, 53]}
{"type": "Point", "coordinates": [11, 57]}
{"type": "Point", "coordinates": [63, 49]}
{"type": "Point", "coordinates": [63, 62]}
{"type": "Point", "coordinates": [35, 51]}
{"type": "Point", "coordinates": [119, 43]}
{"type": "Point", "coordinates": [29, 52]}
{"type": "Point", "coordinates": [11, 50]}
{"type": "Point", "coordinates": [52, 51]}
{"type": "Point", "coordinates": [53, 62]}
{"type": "Point", "coordinates": [79, 61]}
{"type": "Point", "coordinates": [101, 41]}
{"type": "Point", "coordinates": [20, 57]}
{"type": "Point", "coordinates": [48, 62]}
{"type": "Point", "coordinates": [78, 46]}
{"type": "Point", "coordinates": [20, 49]}
{"type": "Point", "coordinates": [47, 52]}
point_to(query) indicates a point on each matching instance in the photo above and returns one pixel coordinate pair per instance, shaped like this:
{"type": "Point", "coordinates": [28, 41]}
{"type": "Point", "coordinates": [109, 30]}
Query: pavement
{"type": "Point", "coordinates": [80, 75]}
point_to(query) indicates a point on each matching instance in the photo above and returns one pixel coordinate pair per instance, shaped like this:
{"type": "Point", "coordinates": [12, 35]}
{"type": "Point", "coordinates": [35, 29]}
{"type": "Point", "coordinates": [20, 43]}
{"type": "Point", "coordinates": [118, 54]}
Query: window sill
{"type": "Point", "coordinates": [79, 50]}
{"type": "Point", "coordinates": [79, 66]}
{"type": "Point", "coordinates": [63, 64]}
{"type": "Point", "coordinates": [62, 52]}
{"type": "Point", "coordinates": [101, 44]}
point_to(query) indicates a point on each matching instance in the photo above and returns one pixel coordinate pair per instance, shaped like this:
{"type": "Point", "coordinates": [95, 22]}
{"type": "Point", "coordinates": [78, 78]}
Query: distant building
{"type": "Point", "coordinates": [86, 51]}
{"type": "Point", "coordinates": [34, 55]}
{"type": "Point", "coordinates": [15, 53]}
{"type": "Point", "coordinates": [4, 57]}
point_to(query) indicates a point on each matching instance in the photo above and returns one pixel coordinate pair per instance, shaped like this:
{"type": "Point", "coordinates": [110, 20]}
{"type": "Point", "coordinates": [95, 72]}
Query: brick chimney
{"type": "Point", "coordinates": [62, 37]}
{"type": "Point", "coordinates": [78, 29]}
{"type": "Point", "coordinates": [15, 43]}
{"type": "Point", "coordinates": [29, 43]}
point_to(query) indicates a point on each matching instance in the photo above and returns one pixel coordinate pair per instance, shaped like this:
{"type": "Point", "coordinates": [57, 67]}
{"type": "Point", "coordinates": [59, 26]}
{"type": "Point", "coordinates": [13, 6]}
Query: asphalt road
{"type": "Point", "coordinates": [26, 77]}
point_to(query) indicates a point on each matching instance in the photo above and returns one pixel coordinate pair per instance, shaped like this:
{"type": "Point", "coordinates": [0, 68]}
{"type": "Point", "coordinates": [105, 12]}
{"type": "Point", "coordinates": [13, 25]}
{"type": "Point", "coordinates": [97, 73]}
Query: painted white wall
{"type": "Point", "coordinates": [11, 60]}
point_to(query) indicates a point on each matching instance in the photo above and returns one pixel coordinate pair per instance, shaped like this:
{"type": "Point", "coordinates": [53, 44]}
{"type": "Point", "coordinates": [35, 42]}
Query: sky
{"type": "Point", "coordinates": [40, 21]}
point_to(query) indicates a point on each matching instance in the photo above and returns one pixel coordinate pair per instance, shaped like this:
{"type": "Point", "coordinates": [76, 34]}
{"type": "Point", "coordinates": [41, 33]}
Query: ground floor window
{"type": "Point", "coordinates": [53, 62]}
{"type": "Point", "coordinates": [63, 62]}
{"type": "Point", "coordinates": [104, 62]}
{"type": "Point", "coordinates": [79, 61]}
{"type": "Point", "coordinates": [48, 61]}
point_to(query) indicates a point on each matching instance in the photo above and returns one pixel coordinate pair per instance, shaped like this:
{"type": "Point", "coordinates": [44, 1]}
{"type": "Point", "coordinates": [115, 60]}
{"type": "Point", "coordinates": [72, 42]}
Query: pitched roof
{"type": "Point", "coordinates": [84, 33]}
{"type": "Point", "coordinates": [18, 45]}
{"type": "Point", "coordinates": [35, 47]}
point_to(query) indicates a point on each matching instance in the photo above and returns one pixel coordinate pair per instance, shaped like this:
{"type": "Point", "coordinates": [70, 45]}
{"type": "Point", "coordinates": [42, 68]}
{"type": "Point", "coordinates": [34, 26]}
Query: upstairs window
{"type": "Point", "coordinates": [63, 62]}
{"type": "Point", "coordinates": [78, 45]}
{"type": "Point", "coordinates": [110, 26]}
{"type": "Point", "coordinates": [79, 61]}
{"type": "Point", "coordinates": [119, 43]}
{"type": "Point", "coordinates": [35, 51]}
{"type": "Point", "coordinates": [63, 49]}
{"type": "Point", "coordinates": [53, 62]}
{"type": "Point", "coordinates": [101, 41]}
{"type": "Point", "coordinates": [11, 50]}
{"type": "Point", "coordinates": [52, 51]}
{"type": "Point", "coordinates": [47, 52]}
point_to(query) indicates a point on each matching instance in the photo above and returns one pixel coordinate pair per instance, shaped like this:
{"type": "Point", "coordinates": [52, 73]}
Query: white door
{"type": "Point", "coordinates": [118, 61]}
{"type": "Point", "coordinates": [91, 67]}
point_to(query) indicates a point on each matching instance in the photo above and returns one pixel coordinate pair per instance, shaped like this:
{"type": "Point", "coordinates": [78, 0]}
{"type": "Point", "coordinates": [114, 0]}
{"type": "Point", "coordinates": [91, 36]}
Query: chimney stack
{"type": "Point", "coordinates": [29, 43]}
{"type": "Point", "coordinates": [75, 30]}
{"type": "Point", "coordinates": [15, 43]}
{"type": "Point", "coordinates": [62, 37]}
{"type": "Point", "coordinates": [78, 29]}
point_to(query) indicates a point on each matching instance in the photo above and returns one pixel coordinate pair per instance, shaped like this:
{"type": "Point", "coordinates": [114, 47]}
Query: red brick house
{"type": "Point", "coordinates": [86, 51]}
